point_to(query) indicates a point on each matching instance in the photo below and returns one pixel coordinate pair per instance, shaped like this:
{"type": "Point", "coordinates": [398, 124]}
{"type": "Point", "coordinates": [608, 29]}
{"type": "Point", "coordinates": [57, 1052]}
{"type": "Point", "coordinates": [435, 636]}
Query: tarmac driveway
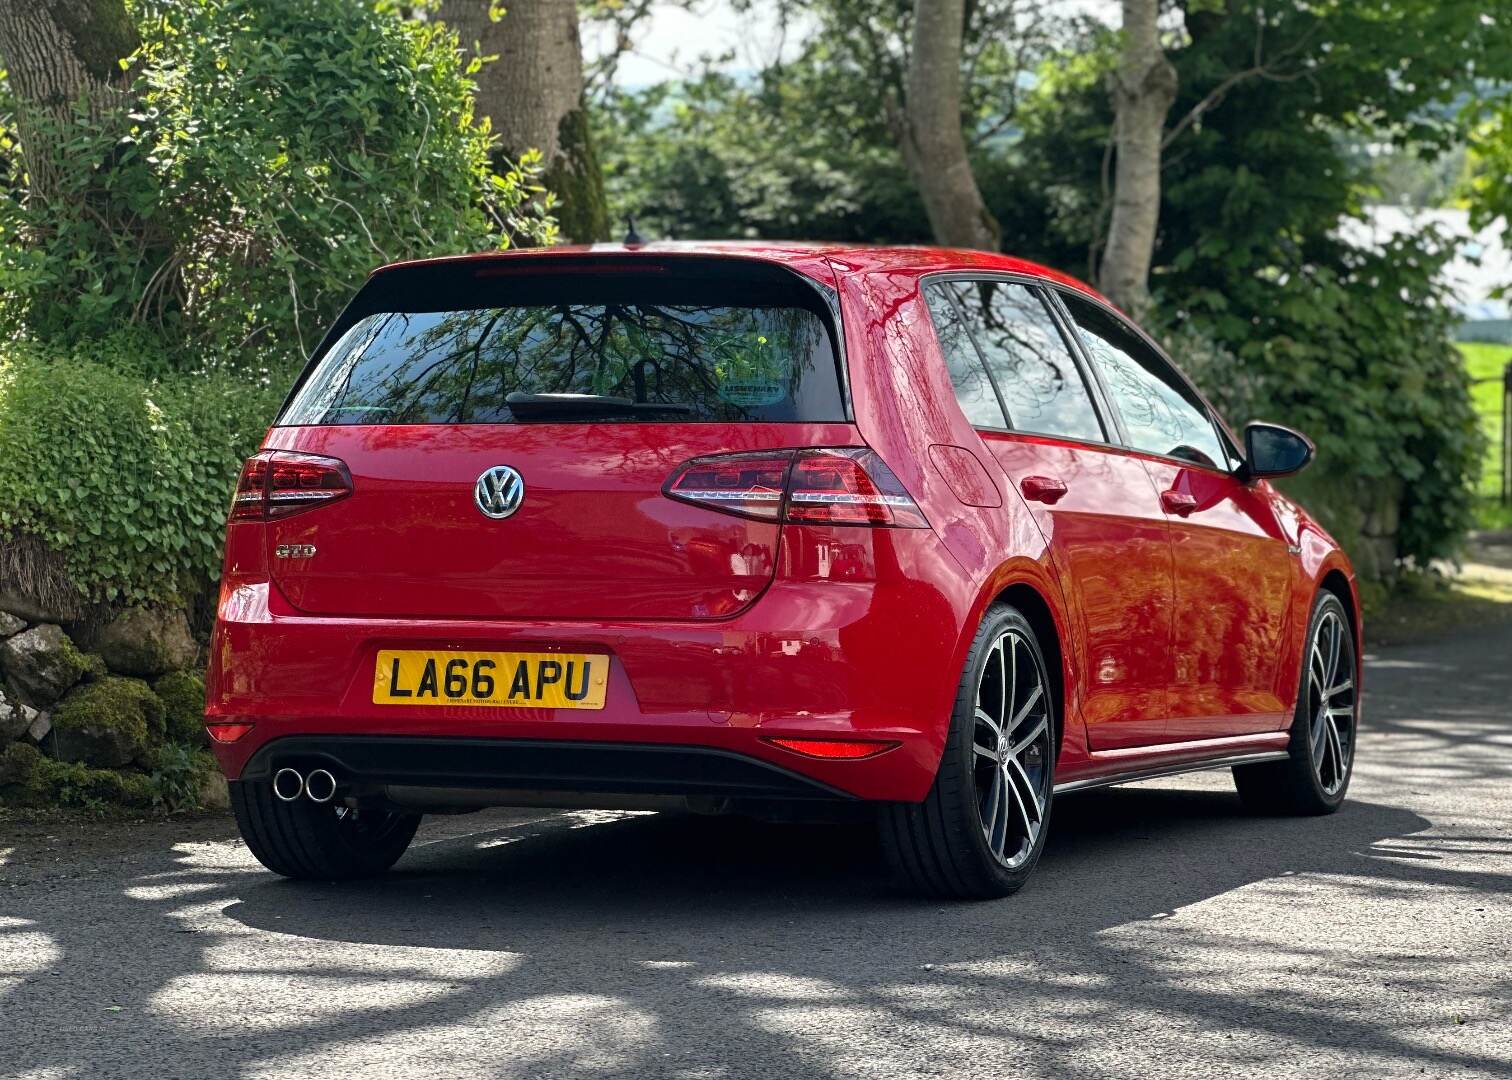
{"type": "Point", "coordinates": [1166, 934]}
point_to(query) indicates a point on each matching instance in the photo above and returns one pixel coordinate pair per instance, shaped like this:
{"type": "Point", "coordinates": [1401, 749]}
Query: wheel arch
{"type": "Point", "coordinates": [1341, 585]}
{"type": "Point", "coordinates": [1334, 577]}
{"type": "Point", "coordinates": [1335, 581]}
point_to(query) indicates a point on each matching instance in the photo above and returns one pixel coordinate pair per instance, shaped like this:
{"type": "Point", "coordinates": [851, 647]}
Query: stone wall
{"type": "Point", "coordinates": [109, 713]}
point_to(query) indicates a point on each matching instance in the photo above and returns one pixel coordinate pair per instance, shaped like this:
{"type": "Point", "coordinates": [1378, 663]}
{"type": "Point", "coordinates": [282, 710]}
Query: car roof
{"type": "Point", "coordinates": [846, 258]}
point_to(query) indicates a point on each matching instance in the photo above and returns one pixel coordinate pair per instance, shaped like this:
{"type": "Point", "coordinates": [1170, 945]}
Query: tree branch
{"type": "Point", "coordinates": [1259, 69]}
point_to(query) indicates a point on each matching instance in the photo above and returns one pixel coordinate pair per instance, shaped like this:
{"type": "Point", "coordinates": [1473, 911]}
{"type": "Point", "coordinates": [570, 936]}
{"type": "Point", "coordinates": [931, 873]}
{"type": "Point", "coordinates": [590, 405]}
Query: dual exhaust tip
{"type": "Point", "coordinates": [319, 786]}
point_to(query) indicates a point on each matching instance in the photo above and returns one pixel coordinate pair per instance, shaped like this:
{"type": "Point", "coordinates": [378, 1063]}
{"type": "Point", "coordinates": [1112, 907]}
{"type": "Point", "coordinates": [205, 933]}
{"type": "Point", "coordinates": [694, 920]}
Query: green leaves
{"type": "Point", "coordinates": [125, 475]}
{"type": "Point", "coordinates": [153, 311]}
{"type": "Point", "coordinates": [275, 154]}
{"type": "Point", "coordinates": [1357, 355]}
{"type": "Point", "coordinates": [1488, 183]}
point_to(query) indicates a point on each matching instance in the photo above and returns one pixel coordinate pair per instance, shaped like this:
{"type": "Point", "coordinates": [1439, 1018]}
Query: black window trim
{"type": "Point", "coordinates": [1106, 416]}
{"type": "Point", "coordinates": [1220, 427]}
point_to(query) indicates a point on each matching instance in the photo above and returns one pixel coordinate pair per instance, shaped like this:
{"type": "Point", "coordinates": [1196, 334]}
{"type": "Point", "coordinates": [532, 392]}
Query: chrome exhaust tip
{"type": "Point", "coordinates": [288, 784]}
{"type": "Point", "coordinates": [320, 786]}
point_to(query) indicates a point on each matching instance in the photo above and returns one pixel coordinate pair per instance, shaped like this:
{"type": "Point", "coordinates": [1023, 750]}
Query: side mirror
{"type": "Point", "coordinates": [1273, 450]}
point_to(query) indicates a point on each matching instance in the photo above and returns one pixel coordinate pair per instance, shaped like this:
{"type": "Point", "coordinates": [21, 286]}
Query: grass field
{"type": "Point", "coordinates": [1488, 362]}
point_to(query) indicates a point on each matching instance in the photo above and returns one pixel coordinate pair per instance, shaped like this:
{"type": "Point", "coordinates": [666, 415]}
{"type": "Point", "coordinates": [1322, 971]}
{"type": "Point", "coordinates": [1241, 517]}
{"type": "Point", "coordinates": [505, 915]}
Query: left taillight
{"type": "Point", "coordinates": [838, 486]}
{"type": "Point", "coordinates": [278, 483]}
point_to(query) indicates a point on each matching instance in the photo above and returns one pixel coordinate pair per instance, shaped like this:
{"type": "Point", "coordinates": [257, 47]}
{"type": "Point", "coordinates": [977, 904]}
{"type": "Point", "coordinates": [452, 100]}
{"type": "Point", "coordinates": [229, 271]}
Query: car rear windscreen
{"type": "Point", "coordinates": [646, 347]}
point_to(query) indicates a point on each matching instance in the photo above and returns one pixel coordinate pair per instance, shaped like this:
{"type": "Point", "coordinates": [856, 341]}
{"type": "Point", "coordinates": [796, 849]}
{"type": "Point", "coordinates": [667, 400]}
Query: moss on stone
{"type": "Point", "coordinates": [178, 778]}
{"type": "Point", "coordinates": [183, 696]}
{"type": "Point", "coordinates": [27, 778]}
{"type": "Point", "coordinates": [69, 654]}
{"type": "Point", "coordinates": [70, 784]}
{"type": "Point", "coordinates": [95, 667]}
{"type": "Point", "coordinates": [147, 642]}
{"type": "Point", "coordinates": [108, 723]}
{"type": "Point", "coordinates": [42, 662]}
{"type": "Point", "coordinates": [18, 764]}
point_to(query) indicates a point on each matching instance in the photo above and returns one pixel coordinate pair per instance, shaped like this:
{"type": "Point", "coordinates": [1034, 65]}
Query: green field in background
{"type": "Point", "coordinates": [1488, 362]}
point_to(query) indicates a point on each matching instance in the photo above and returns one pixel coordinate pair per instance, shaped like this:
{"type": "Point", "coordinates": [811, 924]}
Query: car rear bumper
{"type": "Point", "coordinates": [571, 768]}
{"type": "Point", "coordinates": [873, 658]}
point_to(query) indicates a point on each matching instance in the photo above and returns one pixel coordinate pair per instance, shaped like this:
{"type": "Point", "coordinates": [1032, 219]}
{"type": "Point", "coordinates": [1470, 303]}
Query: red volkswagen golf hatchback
{"type": "Point", "coordinates": [779, 530]}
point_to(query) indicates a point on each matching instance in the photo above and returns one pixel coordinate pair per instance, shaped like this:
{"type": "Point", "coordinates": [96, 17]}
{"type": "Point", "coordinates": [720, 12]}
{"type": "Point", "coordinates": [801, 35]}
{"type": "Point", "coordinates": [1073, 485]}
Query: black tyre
{"type": "Point", "coordinates": [1315, 776]}
{"type": "Point", "coordinates": [980, 830]}
{"type": "Point", "coordinates": [319, 841]}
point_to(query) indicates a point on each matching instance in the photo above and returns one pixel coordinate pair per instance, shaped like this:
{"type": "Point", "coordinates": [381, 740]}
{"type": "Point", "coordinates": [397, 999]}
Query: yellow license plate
{"type": "Point", "coordinates": [499, 679]}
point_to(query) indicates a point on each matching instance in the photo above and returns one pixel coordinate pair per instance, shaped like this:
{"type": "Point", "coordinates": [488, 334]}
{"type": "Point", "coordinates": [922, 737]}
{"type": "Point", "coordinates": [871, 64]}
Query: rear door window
{"type": "Point", "coordinates": [610, 348]}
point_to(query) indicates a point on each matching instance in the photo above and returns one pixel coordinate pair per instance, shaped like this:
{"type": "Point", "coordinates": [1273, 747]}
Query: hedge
{"type": "Point", "coordinates": [114, 483]}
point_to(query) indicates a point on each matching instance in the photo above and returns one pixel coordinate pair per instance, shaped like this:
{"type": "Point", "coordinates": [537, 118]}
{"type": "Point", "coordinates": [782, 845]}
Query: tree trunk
{"type": "Point", "coordinates": [58, 54]}
{"type": "Point", "coordinates": [1143, 88]}
{"type": "Point", "coordinates": [933, 144]}
{"type": "Point", "coordinates": [533, 97]}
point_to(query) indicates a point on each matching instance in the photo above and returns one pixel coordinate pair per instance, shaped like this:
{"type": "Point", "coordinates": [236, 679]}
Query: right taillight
{"type": "Point", "coordinates": [841, 486]}
{"type": "Point", "coordinates": [278, 483]}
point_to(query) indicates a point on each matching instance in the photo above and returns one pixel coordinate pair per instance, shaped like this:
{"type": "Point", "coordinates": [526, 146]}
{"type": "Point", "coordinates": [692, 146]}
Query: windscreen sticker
{"type": "Point", "coordinates": [753, 373]}
{"type": "Point", "coordinates": [751, 392]}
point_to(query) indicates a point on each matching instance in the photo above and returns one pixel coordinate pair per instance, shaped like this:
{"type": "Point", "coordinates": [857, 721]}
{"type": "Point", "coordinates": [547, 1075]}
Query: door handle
{"type": "Point", "coordinates": [1178, 502]}
{"type": "Point", "coordinates": [1045, 489]}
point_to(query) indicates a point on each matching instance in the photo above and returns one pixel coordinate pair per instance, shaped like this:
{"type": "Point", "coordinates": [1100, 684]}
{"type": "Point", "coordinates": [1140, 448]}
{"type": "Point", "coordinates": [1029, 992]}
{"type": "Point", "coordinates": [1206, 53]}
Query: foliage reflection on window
{"type": "Point", "coordinates": [967, 372]}
{"type": "Point", "coordinates": [723, 363]}
{"type": "Point", "coordinates": [1162, 415]}
{"type": "Point", "coordinates": [1040, 383]}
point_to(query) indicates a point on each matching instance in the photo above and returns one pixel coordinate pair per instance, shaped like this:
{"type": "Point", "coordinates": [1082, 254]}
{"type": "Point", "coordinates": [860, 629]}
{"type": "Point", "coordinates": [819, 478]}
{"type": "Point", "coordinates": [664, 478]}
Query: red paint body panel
{"type": "Point", "coordinates": [1180, 636]}
{"type": "Point", "coordinates": [1233, 583]}
{"type": "Point", "coordinates": [819, 655]}
{"type": "Point", "coordinates": [1112, 549]}
{"type": "Point", "coordinates": [594, 537]}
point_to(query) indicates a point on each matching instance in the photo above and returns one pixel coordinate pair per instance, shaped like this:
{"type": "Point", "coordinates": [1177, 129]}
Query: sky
{"type": "Point", "coordinates": [671, 41]}
{"type": "Point", "coordinates": [1481, 265]}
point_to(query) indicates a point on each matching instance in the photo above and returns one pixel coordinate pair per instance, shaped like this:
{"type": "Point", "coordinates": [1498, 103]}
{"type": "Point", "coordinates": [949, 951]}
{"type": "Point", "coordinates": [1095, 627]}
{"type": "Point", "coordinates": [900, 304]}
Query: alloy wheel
{"type": "Point", "coordinates": [1331, 700]}
{"type": "Point", "coordinates": [1011, 749]}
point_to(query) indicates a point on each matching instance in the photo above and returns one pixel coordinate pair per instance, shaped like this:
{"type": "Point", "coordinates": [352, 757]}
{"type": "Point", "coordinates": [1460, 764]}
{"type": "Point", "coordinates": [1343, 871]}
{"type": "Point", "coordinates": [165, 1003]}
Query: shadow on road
{"type": "Point", "coordinates": [656, 945]}
{"type": "Point", "coordinates": [1113, 857]}
{"type": "Point", "coordinates": [638, 943]}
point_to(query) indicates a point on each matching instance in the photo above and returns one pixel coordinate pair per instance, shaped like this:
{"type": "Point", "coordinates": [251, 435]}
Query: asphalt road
{"type": "Point", "coordinates": [1166, 934]}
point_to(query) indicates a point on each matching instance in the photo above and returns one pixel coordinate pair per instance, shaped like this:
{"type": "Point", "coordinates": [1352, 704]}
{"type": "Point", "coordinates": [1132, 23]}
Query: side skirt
{"type": "Point", "coordinates": [1171, 769]}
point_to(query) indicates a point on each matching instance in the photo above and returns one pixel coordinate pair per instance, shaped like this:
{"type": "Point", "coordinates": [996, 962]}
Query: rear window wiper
{"type": "Point", "coordinates": [587, 407]}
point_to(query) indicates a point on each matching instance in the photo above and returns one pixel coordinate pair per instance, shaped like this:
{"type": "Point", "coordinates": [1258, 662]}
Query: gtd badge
{"type": "Point", "coordinates": [499, 492]}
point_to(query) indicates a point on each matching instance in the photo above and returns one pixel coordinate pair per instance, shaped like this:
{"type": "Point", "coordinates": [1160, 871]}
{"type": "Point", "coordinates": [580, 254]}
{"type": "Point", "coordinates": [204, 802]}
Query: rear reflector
{"type": "Point", "coordinates": [842, 749]}
{"type": "Point", "coordinates": [842, 486]}
{"type": "Point", "coordinates": [227, 733]}
{"type": "Point", "coordinates": [278, 483]}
